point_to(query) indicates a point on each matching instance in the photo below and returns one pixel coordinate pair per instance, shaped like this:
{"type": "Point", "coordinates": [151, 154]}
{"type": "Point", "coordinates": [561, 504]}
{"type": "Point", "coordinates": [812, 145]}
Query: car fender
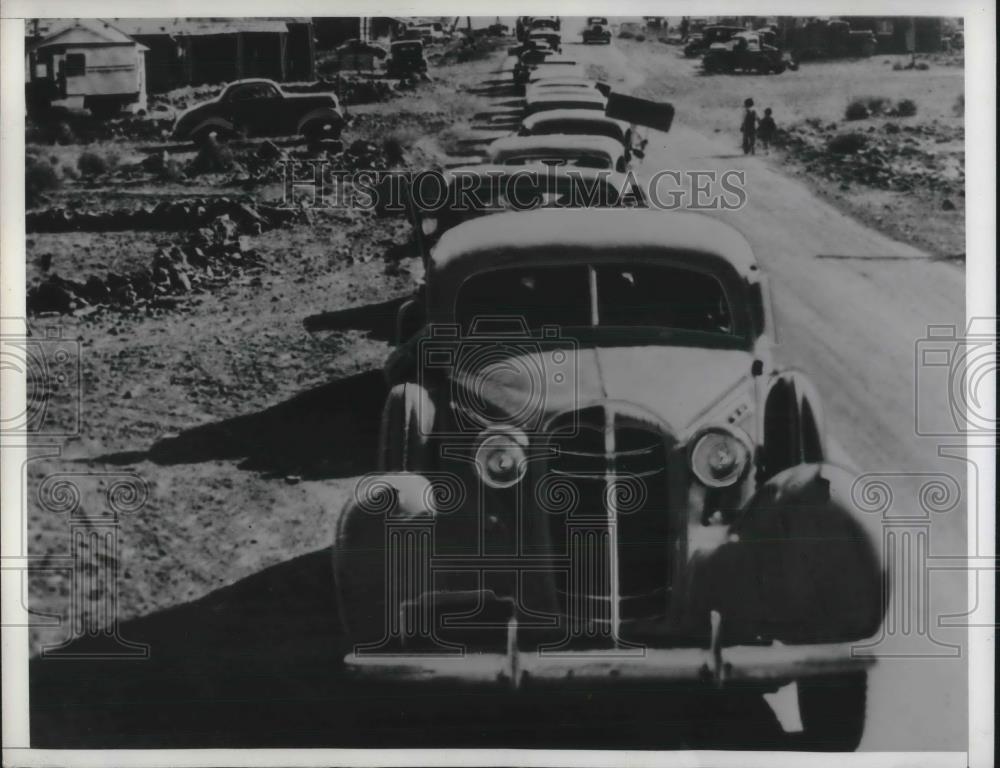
{"type": "Point", "coordinates": [802, 564]}
{"type": "Point", "coordinates": [325, 114]}
{"type": "Point", "coordinates": [407, 423]}
{"type": "Point", "coordinates": [361, 548]}
{"type": "Point", "coordinates": [219, 124]}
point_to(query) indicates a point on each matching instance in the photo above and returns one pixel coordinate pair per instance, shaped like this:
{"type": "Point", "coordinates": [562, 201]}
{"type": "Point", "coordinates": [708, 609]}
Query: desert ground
{"type": "Point", "coordinates": [246, 399]}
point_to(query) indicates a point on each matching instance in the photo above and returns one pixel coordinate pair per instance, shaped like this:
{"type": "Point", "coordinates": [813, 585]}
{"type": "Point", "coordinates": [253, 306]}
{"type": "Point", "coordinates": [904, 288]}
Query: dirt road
{"type": "Point", "coordinates": [851, 306]}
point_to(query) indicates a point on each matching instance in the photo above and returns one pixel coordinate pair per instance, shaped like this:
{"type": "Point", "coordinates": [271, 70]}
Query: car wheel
{"type": "Point", "coordinates": [832, 710]}
{"type": "Point", "coordinates": [763, 68]}
{"type": "Point", "coordinates": [319, 130]}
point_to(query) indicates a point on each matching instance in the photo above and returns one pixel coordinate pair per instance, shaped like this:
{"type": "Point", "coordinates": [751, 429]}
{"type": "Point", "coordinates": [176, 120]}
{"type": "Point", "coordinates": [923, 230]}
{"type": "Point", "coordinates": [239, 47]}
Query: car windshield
{"type": "Point", "coordinates": [627, 295]}
{"type": "Point", "coordinates": [579, 127]}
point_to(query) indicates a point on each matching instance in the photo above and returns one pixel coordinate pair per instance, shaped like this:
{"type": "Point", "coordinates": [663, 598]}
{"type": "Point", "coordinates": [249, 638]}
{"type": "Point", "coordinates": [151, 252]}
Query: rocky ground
{"type": "Point", "coordinates": [207, 318]}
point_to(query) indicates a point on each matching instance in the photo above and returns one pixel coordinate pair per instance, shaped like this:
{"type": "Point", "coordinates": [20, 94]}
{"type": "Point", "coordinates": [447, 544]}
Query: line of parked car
{"type": "Point", "coordinates": [593, 473]}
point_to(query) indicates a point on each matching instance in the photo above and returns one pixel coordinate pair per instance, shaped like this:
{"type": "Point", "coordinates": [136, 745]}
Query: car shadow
{"type": "Point", "coordinates": [377, 320]}
{"type": "Point", "coordinates": [328, 431]}
{"type": "Point", "coordinates": [259, 664]}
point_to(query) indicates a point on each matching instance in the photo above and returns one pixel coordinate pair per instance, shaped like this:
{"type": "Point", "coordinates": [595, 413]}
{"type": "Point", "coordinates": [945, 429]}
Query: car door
{"type": "Point", "coordinates": [255, 108]}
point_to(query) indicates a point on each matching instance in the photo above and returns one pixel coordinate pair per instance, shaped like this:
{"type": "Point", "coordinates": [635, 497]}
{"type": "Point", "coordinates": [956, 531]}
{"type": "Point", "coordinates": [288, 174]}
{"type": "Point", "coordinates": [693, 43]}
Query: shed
{"type": "Point", "coordinates": [189, 51]}
{"type": "Point", "coordinates": [88, 63]}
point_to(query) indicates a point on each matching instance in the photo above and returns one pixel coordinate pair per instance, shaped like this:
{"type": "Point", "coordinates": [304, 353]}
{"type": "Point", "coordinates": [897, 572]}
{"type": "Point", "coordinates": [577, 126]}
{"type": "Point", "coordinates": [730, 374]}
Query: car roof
{"type": "Point", "coordinates": [567, 92]}
{"type": "Point", "coordinates": [571, 234]}
{"type": "Point", "coordinates": [553, 115]}
{"type": "Point", "coordinates": [251, 81]}
{"type": "Point", "coordinates": [557, 142]}
{"type": "Point", "coordinates": [566, 81]}
{"type": "Point", "coordinates": [499, 171]}
{"type": "Point", "coordinates": [546, 70]}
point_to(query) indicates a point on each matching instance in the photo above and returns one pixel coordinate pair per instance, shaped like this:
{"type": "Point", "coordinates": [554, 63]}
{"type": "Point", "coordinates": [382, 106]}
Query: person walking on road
{"type": "Point", "coordinates": [749, 128]}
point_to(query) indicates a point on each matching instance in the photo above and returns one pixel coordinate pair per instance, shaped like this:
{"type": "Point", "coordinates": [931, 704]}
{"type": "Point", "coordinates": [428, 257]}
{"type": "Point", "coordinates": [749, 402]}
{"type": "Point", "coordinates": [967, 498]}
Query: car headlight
{"type": "Point", "coordinates": [719, 457]}
{"type": "Point", "coordinates": [501, 460]}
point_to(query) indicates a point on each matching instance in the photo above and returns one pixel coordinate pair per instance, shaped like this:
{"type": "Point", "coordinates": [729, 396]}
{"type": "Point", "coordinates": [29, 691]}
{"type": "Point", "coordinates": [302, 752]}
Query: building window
{"type": "Point", "coordinates": [76, 64]}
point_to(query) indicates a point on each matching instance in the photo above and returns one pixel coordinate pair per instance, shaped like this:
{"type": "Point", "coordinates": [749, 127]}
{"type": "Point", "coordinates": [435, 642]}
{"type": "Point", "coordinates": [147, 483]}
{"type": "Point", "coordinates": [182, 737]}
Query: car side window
{"type": "Point", "coordinates": [252, 92]}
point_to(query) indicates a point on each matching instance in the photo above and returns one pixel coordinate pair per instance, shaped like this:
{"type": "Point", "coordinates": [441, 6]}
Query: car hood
{"type": "Point", "coordinates": [676, 384]}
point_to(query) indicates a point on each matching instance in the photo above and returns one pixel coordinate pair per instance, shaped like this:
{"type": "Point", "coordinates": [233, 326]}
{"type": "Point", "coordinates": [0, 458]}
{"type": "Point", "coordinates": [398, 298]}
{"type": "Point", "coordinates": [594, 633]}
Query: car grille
{"type": "Point", "coordinates": [605, 487]}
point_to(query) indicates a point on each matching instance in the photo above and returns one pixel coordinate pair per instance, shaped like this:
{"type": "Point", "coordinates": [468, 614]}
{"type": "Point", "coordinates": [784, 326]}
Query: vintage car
{"type": "Point", "coordinates": [699, 43]}
{"type": "Point", "coordinates": [357, 54]}
{"type": "Point", "coordinates": [473, 191]}
{"type": "Point", "coordinates": [560, 82]}
{"type": "Point", "coordinates": [597, 30]}
{"type": "Point", "coordinates": [552, 67]}
{"type": "Point", "coordinates": [594, 475]}
{"type": "Point", "coordinates": [406, 58]}
{"type": "Point", "coordinates": [559, 149]}
{"type": "Point", "coordinates": [577, 122]}
{"type": "Point", "coordinates": [430, 32]}
{"type": "Point", "coordinates": [258, 107]}
{"type": "Point", "coordinates": [530, 63]}
{"type": "Point", "coordinates": [563, 98]}
{"type": "Point", "coordinates": [544, 22]}
{"type": "Point", "coordinates": [746, 52]}
{"type": "Point", "coordinates": [545, 38]}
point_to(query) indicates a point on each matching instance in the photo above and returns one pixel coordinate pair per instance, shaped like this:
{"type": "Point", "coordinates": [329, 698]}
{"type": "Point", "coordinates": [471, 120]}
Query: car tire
{"type": "Point", "coordinates": [318, 130]}
{"type": "Point", "coordinates": [202, 136]}
{"type": "Point", "coordinates": [832, 709]}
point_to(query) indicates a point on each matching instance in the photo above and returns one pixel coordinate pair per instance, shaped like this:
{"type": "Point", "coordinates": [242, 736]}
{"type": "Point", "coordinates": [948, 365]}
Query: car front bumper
{"type": "Point", "coordinates": [766, 665]}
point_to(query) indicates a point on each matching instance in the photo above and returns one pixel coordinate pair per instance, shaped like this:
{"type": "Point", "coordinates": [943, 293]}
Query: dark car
{"type": "Point", "coordinates": [597, 30]}
{"type": "Point", "coordinates": [698, 44]}
{"type": "Point", "coordinates": [261, 108]}
{"type": "Point", "coordinates": [595, 475]}
{"type": "Point", "coordinates": [406, 58]}
{"type": "Point", "coordinates": [745, 52]}
{"type": "Point", "coordinates": [357, 54]}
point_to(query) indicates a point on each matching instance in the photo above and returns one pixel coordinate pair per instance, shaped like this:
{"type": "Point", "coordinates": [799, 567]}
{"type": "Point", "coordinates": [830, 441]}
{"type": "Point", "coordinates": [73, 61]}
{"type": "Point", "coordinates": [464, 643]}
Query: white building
{"type": "Point", "coordinates": [88, 63]}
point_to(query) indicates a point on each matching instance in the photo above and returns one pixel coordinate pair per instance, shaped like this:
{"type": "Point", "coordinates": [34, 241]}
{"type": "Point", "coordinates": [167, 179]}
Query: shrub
{"type": "Point", "coordinates": [847, 143]}
{"type": "Point", "coordinates": [958, 108]}
{"type": "Point", "coordinates": [906, 108]}
{"type": "Point", "coordinates": [640, 37]}
{"type": "Point", "coordinates": [897, 67]}
{"type": "Point", "coordinates": [94, 164]}
{"type": "Point", "coordinates": [856, 110]}
{"type": "Point", "coordinates": [876, 104]}
{"type": "Point", "coordinates": [39, 177]}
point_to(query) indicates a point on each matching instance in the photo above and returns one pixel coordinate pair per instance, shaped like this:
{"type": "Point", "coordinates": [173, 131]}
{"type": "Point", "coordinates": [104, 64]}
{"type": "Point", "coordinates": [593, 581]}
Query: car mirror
{"type": "Point", "coordinates": [409, 320]}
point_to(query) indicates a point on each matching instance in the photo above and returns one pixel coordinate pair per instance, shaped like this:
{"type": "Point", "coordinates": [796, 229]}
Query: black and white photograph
{"type": "Point", "coordinates": [498, 390]}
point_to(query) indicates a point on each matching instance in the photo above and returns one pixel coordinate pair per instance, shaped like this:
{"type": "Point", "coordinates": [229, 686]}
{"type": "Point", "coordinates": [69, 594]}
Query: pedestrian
{"type": "Point", "coordinates": [749, 128]}
{"type": "Point", "coordinates": [766, 129]}
{"type": "Point", "coordinates": [685, 23]}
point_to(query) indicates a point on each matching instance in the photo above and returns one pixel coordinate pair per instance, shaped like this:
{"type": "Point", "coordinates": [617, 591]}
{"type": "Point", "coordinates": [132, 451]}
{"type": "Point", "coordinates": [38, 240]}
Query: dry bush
{"type": "Point", "coordinates": [856, 110]}
{"type": "Point", "coordinates": [905, 108]}
{"type": "Point", "coordinates": [96, 164]}
{"type": "Point", "coordinates": [39, 177]}
{"type": "Point", "coordinates": [847, 143]}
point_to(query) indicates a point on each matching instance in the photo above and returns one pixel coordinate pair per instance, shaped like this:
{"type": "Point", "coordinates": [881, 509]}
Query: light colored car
{"type": "Point", "coordinates": [553, 67]}
{"type": "Point", "coordinates": [564, 98]}
{"type": "Point", "coordinates": [588, 402]}
{"type": "Point", "coordinates": [578, 122]}
{"type": "Point", "coordinates": [478, 190]}
{"type": "Point", "coordinates": [562, 149]}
